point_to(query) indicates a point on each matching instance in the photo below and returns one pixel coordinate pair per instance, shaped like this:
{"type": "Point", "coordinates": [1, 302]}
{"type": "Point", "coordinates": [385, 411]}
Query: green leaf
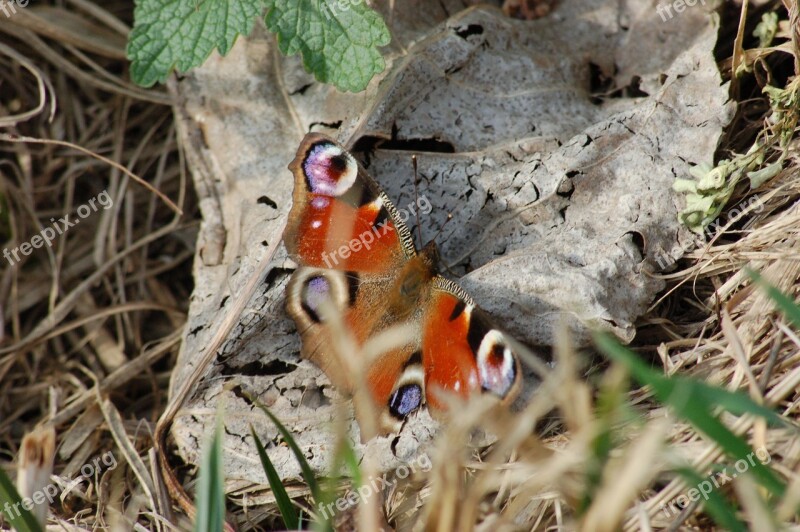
{"type": "Point", "coordinates": [288, 512]}
{"type": "Point", "coordinates": [11, 505]}
{"type": "Point", "coordinates": [338, 39]}
{"type": "Point", "coordinates": [685, 185]}
{"type": "Point", "coordinates": [211, 485]}
{"type": "Point", "coordinates": [182, 34]}
{"type": "Point", "coordinates": [759, 177]}
{"type": "Point", "coordinates": [766, 29]}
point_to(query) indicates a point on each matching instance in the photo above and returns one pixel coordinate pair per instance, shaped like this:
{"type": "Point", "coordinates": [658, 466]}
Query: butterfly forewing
{"type": "Point", "coordinates": [340, 219]}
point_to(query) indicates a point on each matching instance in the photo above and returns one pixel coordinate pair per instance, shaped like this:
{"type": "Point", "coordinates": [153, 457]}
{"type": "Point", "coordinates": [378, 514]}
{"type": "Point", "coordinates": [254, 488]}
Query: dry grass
{"type": "Point", "coordinates": [92, 324]}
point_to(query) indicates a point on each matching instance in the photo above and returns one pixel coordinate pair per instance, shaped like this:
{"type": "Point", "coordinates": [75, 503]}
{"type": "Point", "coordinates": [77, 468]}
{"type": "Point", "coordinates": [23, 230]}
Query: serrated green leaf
{"type": "Point", "coordinates": [181, 34]}
{"type": "Point", "coordinates": [337, 39]}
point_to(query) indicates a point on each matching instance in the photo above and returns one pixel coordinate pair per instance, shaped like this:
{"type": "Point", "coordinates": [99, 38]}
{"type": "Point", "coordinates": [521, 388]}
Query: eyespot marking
{"type": "Point", "coordinates": [315, 290]}
{"type": "Point", "coordinates": [496, 364]}
{"type": "Point", "coordinates": [404, 400]}
{"type": "Point", "coordinates": [329, 170]}
{"type": "Point", "coordinates": [458, 309]}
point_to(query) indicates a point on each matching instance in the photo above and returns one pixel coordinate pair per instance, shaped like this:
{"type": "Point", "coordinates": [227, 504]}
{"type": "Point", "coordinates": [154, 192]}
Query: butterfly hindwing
{"type": "Point", "coordinates": [462, 352]}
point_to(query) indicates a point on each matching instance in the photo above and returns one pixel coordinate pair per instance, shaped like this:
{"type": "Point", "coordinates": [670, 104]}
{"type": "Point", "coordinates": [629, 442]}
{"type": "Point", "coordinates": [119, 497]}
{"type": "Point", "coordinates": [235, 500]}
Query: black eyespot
{"type": "Point", "coordinates": [338, 163]}
{"type": "Point", "coordinates": [478, 327]}
{"type": "Point", "coordinates": [405, 400]}
{"type": "Point", "coordinates": [315, 290]}
{"type": "Point", "coordinates": [458, 309]}
{"type": "Point", "coordinates": [414, 360]}
{"type": "Point", "coordinates": [353, 284]}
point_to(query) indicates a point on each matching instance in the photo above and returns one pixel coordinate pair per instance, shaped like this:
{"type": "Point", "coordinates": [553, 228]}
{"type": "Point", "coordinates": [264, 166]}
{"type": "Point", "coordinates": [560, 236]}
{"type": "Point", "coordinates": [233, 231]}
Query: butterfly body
{"type": "Point", "coordinates": [356, 252]}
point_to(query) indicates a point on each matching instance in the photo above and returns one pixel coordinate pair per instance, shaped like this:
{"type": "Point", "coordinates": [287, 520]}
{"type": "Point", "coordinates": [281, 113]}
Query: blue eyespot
{"type": "Point", "coordinates": [405, 400]}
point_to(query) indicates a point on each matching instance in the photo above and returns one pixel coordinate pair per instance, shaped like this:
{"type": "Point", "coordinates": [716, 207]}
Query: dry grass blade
{"type": "Point", "coordinates": [67, 27]}
{"type": "Point", "coordinates": [624, 478]}
{"type": "Point", "coordinates": [129, 453]}
{"type": "Point", "coordinates": [84, 313]}
{"type": "Point", "coordinates": [148, 186]}
{"type": "Point", "coordinates": [41, 83]}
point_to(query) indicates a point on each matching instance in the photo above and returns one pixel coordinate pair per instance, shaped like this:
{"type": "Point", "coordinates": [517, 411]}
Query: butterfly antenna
{"type": "Point", "coordinates": [441, 229]}
{"type": "Point", "coordinates": [416, 199]}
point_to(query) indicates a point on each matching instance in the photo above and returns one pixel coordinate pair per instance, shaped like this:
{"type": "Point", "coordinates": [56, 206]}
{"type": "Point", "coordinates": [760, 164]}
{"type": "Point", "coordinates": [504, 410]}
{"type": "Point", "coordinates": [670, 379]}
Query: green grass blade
{"type": "Point", "coordinates": [719, 509]}
{"type": "Point", "coordinates": [211, 485]}
{"type": "Point", "coordinates": [347, 455]}
{"type": "Point", "coordinates": [681, 389]}
{"type": "Point", "coordinates": [328, 494]}
{"type": "Point", "coordinates": [734, 402]}
{"type": "Point", "coordinates": [784, 302]}
{"type": "Point", "coordinates": [693, 401]}
{"type": "Point", "coordinates": [735, 447]}
{"type": "Point", "coordinates": [288, 512]}
{"type": "Point", "coordinates": [11, 504]}
{"type": "Point", "coordinates": [305, 469]}
{"type": "Point", "coordinates": [610, 404]}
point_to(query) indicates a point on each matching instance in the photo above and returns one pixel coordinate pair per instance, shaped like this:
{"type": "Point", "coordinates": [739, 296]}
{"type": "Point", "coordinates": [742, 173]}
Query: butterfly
{"type": "Point", "coordinates": [354, 250]}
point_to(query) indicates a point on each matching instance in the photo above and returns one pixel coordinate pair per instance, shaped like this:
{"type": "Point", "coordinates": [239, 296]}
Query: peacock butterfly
{"type": "Point", "coordinates": [354, 249]}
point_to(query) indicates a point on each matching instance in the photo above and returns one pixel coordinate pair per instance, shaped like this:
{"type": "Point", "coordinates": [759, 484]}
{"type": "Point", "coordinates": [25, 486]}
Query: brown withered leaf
{"type": "Point", "coordinates": [554, 143]}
